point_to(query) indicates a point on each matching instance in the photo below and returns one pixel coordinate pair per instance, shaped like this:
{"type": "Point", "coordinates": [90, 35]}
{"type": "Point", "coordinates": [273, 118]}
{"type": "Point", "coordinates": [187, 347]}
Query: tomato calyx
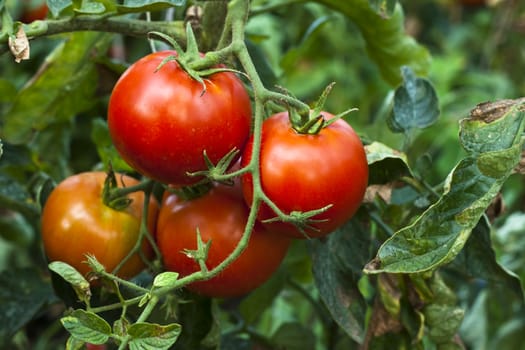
{"type": "Point", "coordinates": [200, 255]}
{"type": "Point", "coordinates": [116, 197]}
{"type": "Point", "coordinates": [303, 221]}
{"type": "Point", "coordinates": [217, 172]}
{"type": "Point", "coordinates": [311, 122]}
{"type": "Point", "coordinates": [191, 60]}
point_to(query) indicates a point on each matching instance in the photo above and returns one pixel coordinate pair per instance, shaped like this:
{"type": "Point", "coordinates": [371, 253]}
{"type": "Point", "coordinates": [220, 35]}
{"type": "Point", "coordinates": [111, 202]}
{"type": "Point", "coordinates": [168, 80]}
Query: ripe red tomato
{"type": "Point", "coordinates": [33, 11]}
{"type": "Point", "coordinates": [76, 222]}
{"type": "Point", "coordinates": [301, 172]}
{"type": "Point", "coordinates": [220, 215]}
{"type": "Point", "coordinates": [161, 122]}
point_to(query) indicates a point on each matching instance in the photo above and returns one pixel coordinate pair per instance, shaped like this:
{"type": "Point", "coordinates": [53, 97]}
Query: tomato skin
{"type": "Point", "coordinates": [76, 222]}
{"type": "Point", "coordinates": [32, 13]}
{"type": "Point", "coordinates": [220, 215]}
{"type": "Point", "coordinates": [161, 123]}
{"type": "Point", "coordinates": [301, 172]}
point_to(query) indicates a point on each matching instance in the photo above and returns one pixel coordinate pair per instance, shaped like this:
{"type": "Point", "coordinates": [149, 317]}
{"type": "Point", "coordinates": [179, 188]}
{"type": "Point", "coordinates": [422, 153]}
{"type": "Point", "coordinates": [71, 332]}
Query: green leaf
{"type": "Point", "coordinates": [7, 90]}
{"type": "Point", "coordinates": [294, 336]}
{"type": "Point", "coordinates": [386, 41]}
{"type": "Point", "coordinates": [57, 6]}
{"type": "Point", "coordinates": [131, 6]}
{"type": "Point", "coordinates": [91, 8]}
{"type": "Point", "coordinates": [337, 263]}
{"type": "Point", "coordinates": [23, 292]}
{"type": "Point", "coordinates": [16, 197]}
{"type": "Point", "coordinates": [198, 318]}
{"type": "Point", "coordinates": [165, 279]}
{"type": "Point", "coordinates": [15, 228]}
{"type": "Point", "coordinates": [385, 164]}
{"type": "Point", "coordinates": [64, 88]}
{"type": "Point", "coordinates": [105, 148]}
{"type": "Point", "coordinates": [416, 104]}
{"type": "Point", "coordinates": [262, 298]}
{"type": "Point", "coordinates": [437, 236]}
{"type": "Point", "coordinates": [73, 277]}
{"type": "Point", "coordinates": [52, 149]}
{"type": "Point", "coordinates": [75, 344]}
{"type": "Point", "coordinates": [146, 336]}
{"type": "Point", "coordinates": [442, 316]}
{"type": "Point", "coordinates": [478, 260]}
{"type": "Point", "coordinates": [87, 326]}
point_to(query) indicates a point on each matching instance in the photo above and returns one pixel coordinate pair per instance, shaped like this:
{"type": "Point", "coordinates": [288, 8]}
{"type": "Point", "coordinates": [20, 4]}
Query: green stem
{"type": "Point", "coordinates": [147, 187]}
{"type": "Point", "coordinates": [150, 306]}
{"type": "Point", "coordinates": [127, 26]}
{"type": "Point", "coordinates": [118, 305]}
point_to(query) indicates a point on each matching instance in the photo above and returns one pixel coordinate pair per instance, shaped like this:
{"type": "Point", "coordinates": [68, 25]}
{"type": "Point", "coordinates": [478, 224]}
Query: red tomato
{"type": "Point", "coordinates": [32, 12]}
{"type": "Point", "coordinates": [76, 222]}
{"type": "Point", "coordinates": [220, 215]}
{"type": "Point", "coordinates": [161, 122]}
{"type": "Point", "coordinates": [301, 172]}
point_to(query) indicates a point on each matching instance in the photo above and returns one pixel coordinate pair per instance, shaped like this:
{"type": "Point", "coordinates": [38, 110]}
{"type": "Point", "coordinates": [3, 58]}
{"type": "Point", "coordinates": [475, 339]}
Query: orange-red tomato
{"type": "Point", "coordinates": [220, 216]}
{"type": "Point", "coordinates": [76, 222]}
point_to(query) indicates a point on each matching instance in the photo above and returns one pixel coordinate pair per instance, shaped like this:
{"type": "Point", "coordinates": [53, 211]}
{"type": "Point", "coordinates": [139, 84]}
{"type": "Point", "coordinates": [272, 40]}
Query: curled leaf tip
{"type": "Point", "coordinates": [491, 111]}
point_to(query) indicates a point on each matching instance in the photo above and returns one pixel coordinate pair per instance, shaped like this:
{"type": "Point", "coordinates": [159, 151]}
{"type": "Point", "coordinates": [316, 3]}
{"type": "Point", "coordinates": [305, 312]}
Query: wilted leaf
{"type": "Point", "coordinates": [19, 45]}
{"type": "Point", "coordinates": [386, 41]}
{"type": "Point", "coordinates": [23, 292]}
{"type": "Point", "coordinates": [87, 326]}
{"type": "Point", "coordinates": [439, 234]}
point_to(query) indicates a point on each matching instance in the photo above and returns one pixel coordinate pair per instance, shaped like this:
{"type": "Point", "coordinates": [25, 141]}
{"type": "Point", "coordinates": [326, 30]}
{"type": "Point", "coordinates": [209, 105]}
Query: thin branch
{"type": "Point", "coordinates": [127, 26]}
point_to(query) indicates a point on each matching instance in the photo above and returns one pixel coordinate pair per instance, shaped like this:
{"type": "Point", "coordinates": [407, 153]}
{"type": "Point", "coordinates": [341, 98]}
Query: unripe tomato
{"type": "Point", "coordinates": [220, 216]}
{"type": "Point", "coordinates": [303, 172]}
{"type": "Point", "coordinates": [161, 122]}
{"type": "Point", "coordinates": [76, 222]}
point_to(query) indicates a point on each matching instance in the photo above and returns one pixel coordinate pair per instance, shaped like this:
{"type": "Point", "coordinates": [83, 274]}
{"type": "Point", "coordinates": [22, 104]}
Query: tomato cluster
{"type": "Point", "coordinates": [167, 125]}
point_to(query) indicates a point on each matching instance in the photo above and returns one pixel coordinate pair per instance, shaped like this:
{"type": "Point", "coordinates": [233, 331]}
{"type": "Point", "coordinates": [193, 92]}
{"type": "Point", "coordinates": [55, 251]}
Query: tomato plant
{"type": "Point", "coordinates": [433, 258]}
{"type": "Point", "coordinates": [76, 222]}
{"type": "Point", "coordinates": [220, 217]}
{"type": "Point", "coordinates": [304, 172]}
{"type": "Point", "coordinates": [161, 120]}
